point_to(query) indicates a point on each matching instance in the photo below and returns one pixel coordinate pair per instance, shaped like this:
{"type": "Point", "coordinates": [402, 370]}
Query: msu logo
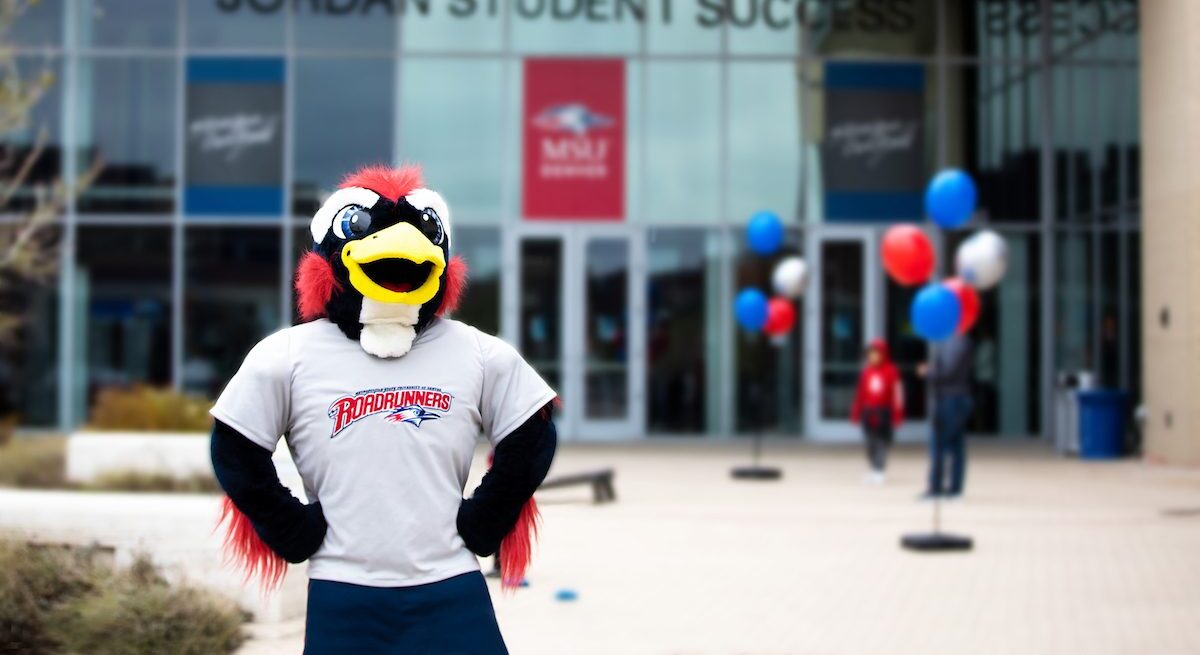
{"type": "Point", "coordinates": [409, 405]}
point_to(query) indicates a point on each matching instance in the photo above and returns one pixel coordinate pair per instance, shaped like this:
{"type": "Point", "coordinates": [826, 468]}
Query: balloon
{"type": "Point", "coordinates": [950, 198]}
{"type": "Point", "coordinates": [907, 255]}
{"type": "Point", "coordinates": [750, 309]}
{"type": "Point", "coordinates": [935, 312]}
{"type": "Point", "coordinates": [765, 233]}
{"type": "Point", "coordinates": [781, 317]}
{"type": "Point", "coordinates": [982, 259]}
{"type": "Point", "coordinates": [789, 277]}
{"type": "Point", "coordinates": [968, 300]}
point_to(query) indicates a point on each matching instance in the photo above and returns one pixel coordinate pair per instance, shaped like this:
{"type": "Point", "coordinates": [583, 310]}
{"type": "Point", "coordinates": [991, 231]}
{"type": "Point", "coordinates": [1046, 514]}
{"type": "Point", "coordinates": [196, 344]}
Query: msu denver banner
{"type": "Point", "coordinates": [574, 139]}
{"type": "Point", "coordinates": [873, 156]}
{"type": "Point", "coordinates": [234, 136]}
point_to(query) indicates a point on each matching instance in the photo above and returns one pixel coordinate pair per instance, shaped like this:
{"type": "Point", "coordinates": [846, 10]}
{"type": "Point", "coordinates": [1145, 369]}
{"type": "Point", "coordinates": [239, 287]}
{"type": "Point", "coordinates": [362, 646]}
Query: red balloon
{"type": "Point", "coordinates": [907, 255]}
{"type": "Point", "coordinates": [781, 317]}
{"type": "Point", "coordinates": [968, 298]}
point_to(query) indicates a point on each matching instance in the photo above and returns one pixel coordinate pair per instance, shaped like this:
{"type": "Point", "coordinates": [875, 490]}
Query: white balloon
{"type": "Point", "coordinates": [789, 277]}
{"type": "Point", "coordinates": [982, 260]}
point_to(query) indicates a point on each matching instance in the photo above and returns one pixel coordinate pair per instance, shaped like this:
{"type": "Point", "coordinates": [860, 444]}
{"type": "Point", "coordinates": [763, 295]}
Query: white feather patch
{"type": "Point", "coordinates": [388, 328]}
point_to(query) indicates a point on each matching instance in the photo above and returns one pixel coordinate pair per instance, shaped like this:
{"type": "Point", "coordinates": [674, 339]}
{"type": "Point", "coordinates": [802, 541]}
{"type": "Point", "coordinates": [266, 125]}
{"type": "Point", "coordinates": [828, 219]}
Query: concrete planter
{"type": "Point", "coordinates": [92, 455]}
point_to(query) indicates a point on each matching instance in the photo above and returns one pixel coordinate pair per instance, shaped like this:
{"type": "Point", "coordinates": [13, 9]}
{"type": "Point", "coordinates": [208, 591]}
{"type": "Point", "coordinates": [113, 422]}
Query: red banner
{"type": "Point", "coordinates": [574, 139]}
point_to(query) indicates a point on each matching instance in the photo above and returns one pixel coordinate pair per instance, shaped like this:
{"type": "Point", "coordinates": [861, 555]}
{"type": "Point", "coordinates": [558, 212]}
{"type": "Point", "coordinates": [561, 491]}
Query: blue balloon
{"type": "Point", "coordinates": [765, 233]}
{"type": "Point", "coordinates": [935, 312]}
{"type": "Point", "coordinates": [750, 309]}
{"type": "Point", "coordinates": [950, 198]}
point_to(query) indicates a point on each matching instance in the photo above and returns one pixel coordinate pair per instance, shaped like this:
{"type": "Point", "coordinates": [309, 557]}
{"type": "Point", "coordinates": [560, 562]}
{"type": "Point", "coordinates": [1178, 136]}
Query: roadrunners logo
{"type": "Point", "coordinates": [575, 118]}
{"type": "Point", "coordinates": [411, 405]}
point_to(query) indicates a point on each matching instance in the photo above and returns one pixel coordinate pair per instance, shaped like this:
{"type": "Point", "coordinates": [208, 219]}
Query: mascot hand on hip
{"type": "Point", "coordinates": [381, 398]}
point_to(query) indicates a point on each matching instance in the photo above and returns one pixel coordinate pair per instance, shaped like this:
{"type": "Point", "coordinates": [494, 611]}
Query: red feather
{"type": "Point", "coordinates": [315, 284]}
{"type": "Point", "coordinates": [244, 550]}
{"type": "Point", "coordinates": [456, 284]}
{"type": "Point", "coordinates": [391, 183]}
{"type": "Point", "coordinates": [517, 548]}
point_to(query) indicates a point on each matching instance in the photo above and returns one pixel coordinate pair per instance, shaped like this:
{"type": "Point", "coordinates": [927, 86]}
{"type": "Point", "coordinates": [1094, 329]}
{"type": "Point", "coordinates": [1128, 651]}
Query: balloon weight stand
{"type": "Point", "coordinates": [936, 541]}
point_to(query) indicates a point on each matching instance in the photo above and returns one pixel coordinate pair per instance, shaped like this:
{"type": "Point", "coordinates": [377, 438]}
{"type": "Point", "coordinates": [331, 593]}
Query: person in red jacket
{"type": "Point", "coordinates": [878, 406]}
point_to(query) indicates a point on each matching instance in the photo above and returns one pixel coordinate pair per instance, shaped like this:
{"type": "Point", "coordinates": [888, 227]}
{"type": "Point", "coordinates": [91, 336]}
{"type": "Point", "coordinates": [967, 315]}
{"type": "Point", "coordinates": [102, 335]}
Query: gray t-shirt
{"type": "Point", "coordinates": [384, 444]}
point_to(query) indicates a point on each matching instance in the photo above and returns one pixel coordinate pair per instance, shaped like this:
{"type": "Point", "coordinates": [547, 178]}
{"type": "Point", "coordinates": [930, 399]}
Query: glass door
{"type": "Point", "coordinates": [842, 315]}
{"type": "Point", "coordinates": [852, 303]}
{"type": "Point", "coordinates": [576, 294]}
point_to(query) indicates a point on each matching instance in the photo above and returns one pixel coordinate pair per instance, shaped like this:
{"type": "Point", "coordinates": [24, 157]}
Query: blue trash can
{"type": "Point", "coordinates": [1102, 421]}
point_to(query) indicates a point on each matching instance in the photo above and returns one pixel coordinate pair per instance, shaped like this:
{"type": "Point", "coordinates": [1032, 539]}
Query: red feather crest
{"type": "Point", "coordinates": [391, 183]}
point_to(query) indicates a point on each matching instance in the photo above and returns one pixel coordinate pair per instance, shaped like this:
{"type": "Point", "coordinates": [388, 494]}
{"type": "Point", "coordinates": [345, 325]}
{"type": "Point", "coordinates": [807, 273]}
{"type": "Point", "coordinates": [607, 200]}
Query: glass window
{"type": "Point", "coordinates": [38, 25]}
{"type": "Point", "coordinates": [541, 307]}
{"type": "Point", "coordinates": [129, 122]}
{"type": "Point", "coordinates": [1074, 321]}
{"type": "Point", "coordinates": [682, 141]}
{"type": "Point", "coordinates": [836, 27]}
{"type": "Point", "coordinates": [998, 140]}
{"type": "Point", "coordinates": [606, 332]}
{"type": "Point", "coordinates": [460, 25]}
{"type": "Point", "coordinates": [1001, 29]}
{"type": "Point", "coordinates": [231, 300]}
{"type": "Point", "coordinates": [908, 349]}
{"type": "Point", "coordinates": [842, 323]}
{"type": "Point", "coordinates": [554, 27]}
{"type": "Point", "coordinates": [764, 138]}
{"type": "Point", "coordinates": [361, 26]}
{"type": "Point", "coordinates": [128, 24]}
{"type": "Point", "coordinates": [870, 139]}
{"type": "Point", "coordinates": [674, 28]}
{"type": "Point", "coordinates": [682, 348]}
{"type": "Point", "coordinates": [767, 389]}
{"type": "Point", "coordinates": [344, 111]}
{"type": "Point", "coordinates": [480, 248]}
{"type": "Point", "coordinates": [251, 24]}
{"type": "Point", "coordinates": [1007, 338]}
{"type": "Point", "coordinates": [457, 139]}
{"type": "Point", "coordinates": [124, 276]}
{"type": "Point", "coordinates": [29, 361]}
{"type": "Point", "coordinates": [21, 132]}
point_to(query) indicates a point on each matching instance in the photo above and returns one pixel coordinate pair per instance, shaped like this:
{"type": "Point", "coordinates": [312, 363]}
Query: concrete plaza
{"type": "Point", "coordinates": [1070, 557]}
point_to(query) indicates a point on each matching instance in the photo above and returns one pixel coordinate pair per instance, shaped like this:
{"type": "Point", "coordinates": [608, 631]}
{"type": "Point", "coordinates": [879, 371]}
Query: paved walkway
{"type": "Point", "coordinates": [1070, 557]}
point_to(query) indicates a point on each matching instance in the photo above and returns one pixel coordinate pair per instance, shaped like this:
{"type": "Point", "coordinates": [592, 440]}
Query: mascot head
{"type": "Point", "coordinates": [380, 265]}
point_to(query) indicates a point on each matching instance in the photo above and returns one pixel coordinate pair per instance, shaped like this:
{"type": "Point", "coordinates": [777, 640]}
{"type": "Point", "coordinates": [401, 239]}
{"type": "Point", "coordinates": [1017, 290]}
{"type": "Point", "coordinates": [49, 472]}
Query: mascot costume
{"type": "Point", "coordinates": [381, 400]}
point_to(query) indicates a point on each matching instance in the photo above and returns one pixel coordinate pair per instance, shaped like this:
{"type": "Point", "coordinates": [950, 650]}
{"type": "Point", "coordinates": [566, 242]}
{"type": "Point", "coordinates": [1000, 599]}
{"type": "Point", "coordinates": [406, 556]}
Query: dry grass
{"type": "Point", "coordinates": [143, 408]}
{"type": "Point", "coordinates": [34, 463]}
{"type": "Point", "coordinates": [54, 601]}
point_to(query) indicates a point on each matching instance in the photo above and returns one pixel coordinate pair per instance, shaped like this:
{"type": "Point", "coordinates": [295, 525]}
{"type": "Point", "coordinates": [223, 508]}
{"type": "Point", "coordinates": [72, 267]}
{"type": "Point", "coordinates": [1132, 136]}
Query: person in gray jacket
{"type": "Point", "coordinates": [949, 377]}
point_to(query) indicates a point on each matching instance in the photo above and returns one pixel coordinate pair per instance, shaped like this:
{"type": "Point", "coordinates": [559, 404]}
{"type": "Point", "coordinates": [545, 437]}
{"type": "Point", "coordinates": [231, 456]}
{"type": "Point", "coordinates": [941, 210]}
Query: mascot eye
{"type": "Point", "coordinates": [431, 226]}
{"type": "Point", "coordinates": [353, 221]}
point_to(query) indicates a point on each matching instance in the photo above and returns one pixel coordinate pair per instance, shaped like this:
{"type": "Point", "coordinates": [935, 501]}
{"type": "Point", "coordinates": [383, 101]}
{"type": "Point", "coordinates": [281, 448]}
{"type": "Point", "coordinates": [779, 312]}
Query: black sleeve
{"type": "Point", "coordinates": [246, 473]}
{"type": "Point", "coordinates": [520, 463]}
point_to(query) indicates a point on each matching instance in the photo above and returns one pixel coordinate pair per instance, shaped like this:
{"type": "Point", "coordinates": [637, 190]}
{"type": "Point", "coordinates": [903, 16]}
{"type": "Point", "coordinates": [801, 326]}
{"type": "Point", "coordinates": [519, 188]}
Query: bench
{"type": "Point", "coordinates": [601, 481]}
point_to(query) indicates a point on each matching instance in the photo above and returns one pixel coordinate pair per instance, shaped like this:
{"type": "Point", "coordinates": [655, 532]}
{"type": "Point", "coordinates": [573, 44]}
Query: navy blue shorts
{"type": "Point", "coordinates": [451, 617]}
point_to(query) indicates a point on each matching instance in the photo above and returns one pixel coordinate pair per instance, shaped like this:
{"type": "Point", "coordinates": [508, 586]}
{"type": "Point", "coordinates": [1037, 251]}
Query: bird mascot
{"type": "Point", "coordinates": [381, 399]}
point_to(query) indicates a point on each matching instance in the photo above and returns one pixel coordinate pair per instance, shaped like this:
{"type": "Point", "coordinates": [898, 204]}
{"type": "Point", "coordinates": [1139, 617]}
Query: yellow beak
{"type": "Point", "coordinates": [405, 244]}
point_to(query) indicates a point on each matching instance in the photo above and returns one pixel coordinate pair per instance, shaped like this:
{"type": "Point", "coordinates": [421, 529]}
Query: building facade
{"type": "Point", "coordinates": [601, 159]}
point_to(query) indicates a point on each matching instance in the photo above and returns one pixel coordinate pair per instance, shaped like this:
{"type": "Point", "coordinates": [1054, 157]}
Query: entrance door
{"type": "Point", "coordinates": [852, 302]}
{"type": "Point", "coordinates": [842, 316]}
{"type": "Point", "coordinates": [576, 296]}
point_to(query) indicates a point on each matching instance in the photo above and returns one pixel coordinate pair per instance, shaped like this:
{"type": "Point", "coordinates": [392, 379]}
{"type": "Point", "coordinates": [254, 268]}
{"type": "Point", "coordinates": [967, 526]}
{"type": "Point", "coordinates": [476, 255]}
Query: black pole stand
{"type": "Point", "coordinates": [757, 471]}
{"type": "Point", "coordinates": [936, 541]}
